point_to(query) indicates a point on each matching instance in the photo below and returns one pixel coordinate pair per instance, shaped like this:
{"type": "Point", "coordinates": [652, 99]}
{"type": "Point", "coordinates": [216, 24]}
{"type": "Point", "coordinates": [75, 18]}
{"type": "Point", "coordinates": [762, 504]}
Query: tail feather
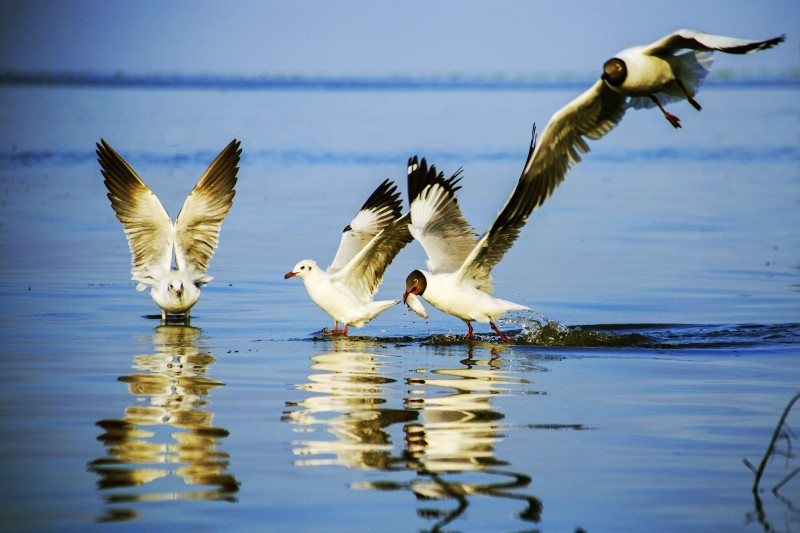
{"type": "Point", "coordinates": [375, 309]}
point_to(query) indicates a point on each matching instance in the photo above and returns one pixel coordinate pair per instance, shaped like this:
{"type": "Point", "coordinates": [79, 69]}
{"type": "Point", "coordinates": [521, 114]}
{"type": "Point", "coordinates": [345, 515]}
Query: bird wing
{"type": "Point", "coordinates": [145, 221]}
{"type": "Point", "coordinates": [381, 208]}
{"type": "Point", "coordinates": [198, 224]}
{"type": "Point", "coordinates": [436, 219]}
{"type": "Point", "coordinates": [591, 115]}
{"type": "Point", "coordinates": [698, 40]}
{"type": "Point", "coordinates": [364, 272]}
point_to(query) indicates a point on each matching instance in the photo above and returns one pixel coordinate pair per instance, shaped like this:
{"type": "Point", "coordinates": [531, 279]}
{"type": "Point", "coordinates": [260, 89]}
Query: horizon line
{"type": "Point", "coordinates": [444, 82]}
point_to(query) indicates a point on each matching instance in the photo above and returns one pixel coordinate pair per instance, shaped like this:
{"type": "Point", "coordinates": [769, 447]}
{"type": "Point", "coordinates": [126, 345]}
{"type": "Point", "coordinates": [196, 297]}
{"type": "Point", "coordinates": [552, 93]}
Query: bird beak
{"type": "Point", "coordinates": [290, 275]}
{"type": "Point", "coordinates": [405, 294]}
{"type": "Point", "coordinates": [178, 292]}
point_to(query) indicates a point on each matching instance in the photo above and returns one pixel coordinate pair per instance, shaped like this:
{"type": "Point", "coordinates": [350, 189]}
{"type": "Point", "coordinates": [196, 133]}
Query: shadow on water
{"type": "Point", "coordinates": [166, 434]}
{"type": "Point", "coordinates": [444, 431]}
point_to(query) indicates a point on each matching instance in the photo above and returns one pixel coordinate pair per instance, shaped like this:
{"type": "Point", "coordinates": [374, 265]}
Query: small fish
{"type": "Point", "coordinates": [415, 305]}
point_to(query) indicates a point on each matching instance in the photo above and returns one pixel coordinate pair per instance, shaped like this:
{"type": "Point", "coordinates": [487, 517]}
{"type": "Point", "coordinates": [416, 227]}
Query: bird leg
{"type": "Point", "coordinates": [335, 330]}
{"type": "Point", "coordinates": [505, 339]}
{"type": "Point", "coordinates": [469, 335]}
{"type": "Point", "coordinates": [187, 320]}
{"type": "Point", "coordinates": [692, 101]}
{"type": "Point", "coordinates": [675, 121]}
{"type": "Point", "coordinates": [163, 318]}
{"type": "Point", "coordinates": [344, 331]}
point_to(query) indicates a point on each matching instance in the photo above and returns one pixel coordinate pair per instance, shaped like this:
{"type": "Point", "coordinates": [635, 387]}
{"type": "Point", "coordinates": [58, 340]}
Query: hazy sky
{"type": "Point", "coordinates": [370, 38]}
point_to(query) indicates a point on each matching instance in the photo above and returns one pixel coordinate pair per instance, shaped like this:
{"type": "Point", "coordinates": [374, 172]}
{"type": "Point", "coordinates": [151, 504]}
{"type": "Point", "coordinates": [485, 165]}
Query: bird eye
{"type": "Point", "coordinates": [302, 267]}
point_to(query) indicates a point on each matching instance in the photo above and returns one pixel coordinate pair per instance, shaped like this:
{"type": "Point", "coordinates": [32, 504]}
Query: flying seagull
{"type": "Point", "coordinates": [369, 244]}
{"type": "Point", "coordinates": [152, 236]}
{"type": "Point", "coordinates": [653, 75]}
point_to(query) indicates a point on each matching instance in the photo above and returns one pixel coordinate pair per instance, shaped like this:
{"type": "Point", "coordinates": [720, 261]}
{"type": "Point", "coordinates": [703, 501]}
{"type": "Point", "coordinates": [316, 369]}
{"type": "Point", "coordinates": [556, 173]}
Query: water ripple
{"type": "Point", "coordinates": [526, 331]}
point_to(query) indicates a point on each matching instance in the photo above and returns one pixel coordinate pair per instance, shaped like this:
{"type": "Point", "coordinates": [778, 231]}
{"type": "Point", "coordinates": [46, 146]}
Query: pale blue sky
{"type": "Point", "coordinates": [370, 38]}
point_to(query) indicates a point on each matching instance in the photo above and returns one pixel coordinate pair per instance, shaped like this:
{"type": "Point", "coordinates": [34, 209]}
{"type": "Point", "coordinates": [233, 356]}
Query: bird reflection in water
{"type": "Point", "coordinates": [448, 438]}
{"type": "Point", "coordinates": [350, 384]}
{"type": "Point", "coordinates": [166, 439]}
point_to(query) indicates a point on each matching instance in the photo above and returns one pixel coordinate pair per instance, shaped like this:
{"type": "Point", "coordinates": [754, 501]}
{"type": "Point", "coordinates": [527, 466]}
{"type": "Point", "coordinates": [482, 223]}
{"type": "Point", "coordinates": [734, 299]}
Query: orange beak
{"type": "Point", "coordinates": [290, 275]}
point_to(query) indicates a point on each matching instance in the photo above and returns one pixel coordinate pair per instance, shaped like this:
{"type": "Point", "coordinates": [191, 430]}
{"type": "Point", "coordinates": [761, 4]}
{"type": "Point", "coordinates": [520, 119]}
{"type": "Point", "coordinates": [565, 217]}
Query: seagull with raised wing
{"type": "Point", "coordinates": [458, 280]}
{"type": "Point", "coordinates": [154, 239]}
{"type": "Point", "coordinates": [653, 75]}
{"type": "Point", "coordinates": [345, 290]}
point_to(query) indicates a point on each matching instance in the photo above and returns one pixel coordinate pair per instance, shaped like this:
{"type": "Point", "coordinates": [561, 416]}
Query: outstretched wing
{"type": "Point", "coordinates": [698, 40]}
{"type": "Point", "coordinates": [198, 224]}
{"type": "Point", "coordinates": [381, 208]}
{"type": "Point", "coordinates": [145, 221]}
{"type": "Point", "coordinates": [589, 116]}
{"type": "Point", "coordinates": [436, 219]}
{"type": "Point", "coordinates": [365, 270]}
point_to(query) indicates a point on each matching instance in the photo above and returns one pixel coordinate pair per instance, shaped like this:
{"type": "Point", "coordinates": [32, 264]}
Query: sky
{"type": "Point", "coordinates": [361, 38]}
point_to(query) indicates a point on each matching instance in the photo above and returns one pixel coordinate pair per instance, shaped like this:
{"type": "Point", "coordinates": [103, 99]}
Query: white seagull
{"type": "Point", "coordinates": [653, 75]}
{"type": "Point", "coordinates": [153, 237]}
{"type": "Point", "coordinates": [369, 244]}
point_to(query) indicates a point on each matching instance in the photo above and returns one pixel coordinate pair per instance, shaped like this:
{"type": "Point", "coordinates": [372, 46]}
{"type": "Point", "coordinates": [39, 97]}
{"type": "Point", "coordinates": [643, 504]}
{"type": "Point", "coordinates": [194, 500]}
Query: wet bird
{"type": "Point", "coordinates": [153, 238]}
{"type": "Point", "coordinates": [368, 245]}
{"type": "Point", "coordinates": [654, 75]}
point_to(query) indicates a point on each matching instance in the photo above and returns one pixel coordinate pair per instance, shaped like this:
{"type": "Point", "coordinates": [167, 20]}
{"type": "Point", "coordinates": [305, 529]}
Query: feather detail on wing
{"type": "Point", "coordinates": [698, 40]}
{"type": "Point", "coordinates": [145, 221]}
{"type": "Point", "coordinates": [381, 208]}
{"type": "Point", "coordinates": [198, 224]}
{"type": "Point", "coordinates": [365, 270]}
{"type": "Point", "coordinates": [591, 115]}
{"type": "Point", "coordinates": [436, 219]}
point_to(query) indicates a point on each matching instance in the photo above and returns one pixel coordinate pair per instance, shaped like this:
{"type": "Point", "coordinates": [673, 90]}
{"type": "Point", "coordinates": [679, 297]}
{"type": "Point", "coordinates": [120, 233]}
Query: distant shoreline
{"type": "Point", "coordinates": [448, 82]}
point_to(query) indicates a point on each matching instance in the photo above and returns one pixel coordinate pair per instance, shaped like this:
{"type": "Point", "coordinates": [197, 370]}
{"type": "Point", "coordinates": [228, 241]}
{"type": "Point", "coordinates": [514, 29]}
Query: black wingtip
{"type": "Point", "coordinates": [421, 176]}
{"type": "Point", "coordinates": [385, 195]}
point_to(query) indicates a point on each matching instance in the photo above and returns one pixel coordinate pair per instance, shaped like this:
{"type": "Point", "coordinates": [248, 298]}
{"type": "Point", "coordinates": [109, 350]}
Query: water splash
{"type": "Point", "coordinates": [534, 329]}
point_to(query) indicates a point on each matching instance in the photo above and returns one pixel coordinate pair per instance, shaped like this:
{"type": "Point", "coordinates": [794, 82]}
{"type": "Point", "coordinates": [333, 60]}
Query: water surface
{"type": "Point", "coordinates": [667, 264]}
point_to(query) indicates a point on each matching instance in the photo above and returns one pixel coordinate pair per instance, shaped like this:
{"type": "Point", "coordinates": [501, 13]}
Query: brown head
{"type": "Point", "coordinates": [614, 72]}
{"type": "Point", "coordinates": [415, 284]}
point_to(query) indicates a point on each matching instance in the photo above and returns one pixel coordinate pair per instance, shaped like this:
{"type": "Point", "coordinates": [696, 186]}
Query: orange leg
{"type": "Point", "coordinates": [692, 101]}
{"type": "Point", "coordinates": [469, 334]}
{"type": "Point", "coordinates": [505, 339]}
{"type": "Point", "coordinates": [344, 331]}
{"type": "Point", "coordinates": [675, 121]}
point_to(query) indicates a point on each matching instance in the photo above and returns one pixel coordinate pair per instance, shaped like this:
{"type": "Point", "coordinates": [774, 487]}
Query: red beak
{"type": "Point", "coordinates": [405, 294]}
{"type": "Point", "coordinates": [290, 275]}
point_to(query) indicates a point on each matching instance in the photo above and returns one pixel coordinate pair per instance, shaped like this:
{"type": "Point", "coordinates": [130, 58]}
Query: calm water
{"type": "Point", "coordinates": [668, 263]}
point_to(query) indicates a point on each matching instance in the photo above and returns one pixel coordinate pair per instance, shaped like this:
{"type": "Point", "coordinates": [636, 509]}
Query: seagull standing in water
{"type": "Point", "coordinates": [653, 75]}
{"type": "Point", "coordinates": [369, 244]}
{"type": "Point", "coordinates": [152, 236]}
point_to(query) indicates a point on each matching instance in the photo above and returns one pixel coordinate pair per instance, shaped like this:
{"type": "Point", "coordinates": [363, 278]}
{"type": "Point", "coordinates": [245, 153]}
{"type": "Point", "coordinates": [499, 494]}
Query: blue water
{"type": "Point", "coordinates": [664, 274]}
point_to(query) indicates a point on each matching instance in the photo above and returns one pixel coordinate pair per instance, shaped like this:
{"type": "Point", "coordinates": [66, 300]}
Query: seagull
{"type": "Point", "coordinates": [152, 236]}
{"type": "Point", "coordinates": [368, 245]}
{"type": "Point", "coordinates": [458, 280]}
{"type": "Point", "coordinates": [652, 75]}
